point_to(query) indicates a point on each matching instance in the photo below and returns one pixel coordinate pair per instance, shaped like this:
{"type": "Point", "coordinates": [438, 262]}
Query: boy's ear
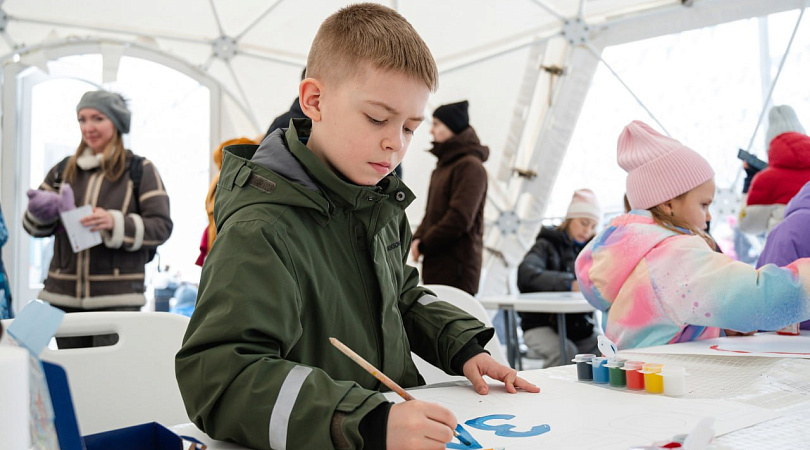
{"type": "Point", "coordinates": [309, 93]}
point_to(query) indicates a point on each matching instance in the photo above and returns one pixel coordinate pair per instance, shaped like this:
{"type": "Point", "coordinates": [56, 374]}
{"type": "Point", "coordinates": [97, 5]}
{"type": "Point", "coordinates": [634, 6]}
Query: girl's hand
{"type": "Point", "coordinates": [101, 219]}
{"type": "Point", "coordinates": [484, 364]}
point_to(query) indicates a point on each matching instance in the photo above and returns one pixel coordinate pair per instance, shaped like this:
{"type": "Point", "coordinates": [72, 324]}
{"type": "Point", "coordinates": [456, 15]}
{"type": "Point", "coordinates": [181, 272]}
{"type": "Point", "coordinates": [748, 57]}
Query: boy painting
{"type": "Point", "coordinates": [312, 241]}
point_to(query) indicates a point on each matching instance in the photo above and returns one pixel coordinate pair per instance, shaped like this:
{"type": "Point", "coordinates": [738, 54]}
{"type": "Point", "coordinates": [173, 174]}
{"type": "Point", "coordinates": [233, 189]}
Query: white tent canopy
{"type": "Point", "coordinates": [525, 65]}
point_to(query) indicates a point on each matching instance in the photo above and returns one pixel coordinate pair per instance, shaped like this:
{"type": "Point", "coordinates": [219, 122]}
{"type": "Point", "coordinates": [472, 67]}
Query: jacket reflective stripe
{"type": "Point", "coordinates": [427, 299]}
{"type": "Point", "coordinates": [280, 417]}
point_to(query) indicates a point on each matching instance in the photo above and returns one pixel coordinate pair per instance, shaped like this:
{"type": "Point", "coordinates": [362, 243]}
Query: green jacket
{"type": "Point", "coordinates": [301, 256]}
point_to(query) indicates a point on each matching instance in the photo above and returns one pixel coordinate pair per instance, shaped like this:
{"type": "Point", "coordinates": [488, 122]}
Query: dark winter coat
{"type": "Point", "coordinates": [301, 256]}
{"type": "Point", "coordinates": [452, 231]}
{"type": "Point", "coordinates": [110, 275]}
{"type": "Point", "coordinates": [283, 121]}
{"type": "Point", "coordinates": [549, 266]}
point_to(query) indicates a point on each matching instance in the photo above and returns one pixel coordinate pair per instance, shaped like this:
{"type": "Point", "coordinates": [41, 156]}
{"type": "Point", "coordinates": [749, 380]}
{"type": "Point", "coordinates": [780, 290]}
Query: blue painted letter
{"type": "Point", "coordinates": [505, 430]}
{"type": "Point", "coordinates": [474, 445]}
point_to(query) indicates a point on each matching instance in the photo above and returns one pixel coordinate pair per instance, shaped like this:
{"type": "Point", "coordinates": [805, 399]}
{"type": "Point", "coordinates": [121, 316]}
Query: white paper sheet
{"type": "Point", "coordinates": [761, 344]}
{"type": "Point", "coordinates": [583, 415]}
{"type": "Point", "coordinates": [80, 236]}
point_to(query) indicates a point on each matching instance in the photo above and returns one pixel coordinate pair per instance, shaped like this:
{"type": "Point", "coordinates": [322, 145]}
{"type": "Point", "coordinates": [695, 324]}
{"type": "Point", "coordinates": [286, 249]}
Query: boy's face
{"type": "Point", "coordinates": [361, 126]}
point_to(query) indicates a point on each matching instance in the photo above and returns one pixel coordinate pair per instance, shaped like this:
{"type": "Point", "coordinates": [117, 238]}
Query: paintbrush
{"type": "Point", "coordinates": [382, 377]}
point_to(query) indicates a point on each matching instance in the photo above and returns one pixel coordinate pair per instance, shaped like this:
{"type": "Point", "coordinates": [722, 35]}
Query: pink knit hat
{"type": "Point", "coordinates": [584, 204]}
{"type": "Point", "coordinates": [658, 168]}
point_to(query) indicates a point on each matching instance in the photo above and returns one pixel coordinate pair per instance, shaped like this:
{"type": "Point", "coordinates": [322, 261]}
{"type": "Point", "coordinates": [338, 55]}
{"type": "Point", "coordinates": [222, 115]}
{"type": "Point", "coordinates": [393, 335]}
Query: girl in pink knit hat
{"type": "Point", "coordinates": [654, 272]}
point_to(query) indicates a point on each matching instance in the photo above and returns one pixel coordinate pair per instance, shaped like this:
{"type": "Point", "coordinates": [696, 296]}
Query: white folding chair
{"type": "Point", "coordinates": [469, 304]}
{"type": "Point", "coordinates": [130, 382]}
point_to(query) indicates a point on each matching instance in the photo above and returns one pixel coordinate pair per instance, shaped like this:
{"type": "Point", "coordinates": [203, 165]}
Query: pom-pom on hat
{"type": "Point", "coordinates": [110, 104]}
{"type": "Point", "coordinates": [658, 168]}
{"type": "Point", "coordinates": [454, 115]}
{"type": "Point", "coordinates": [584, 204]}
{"type": "Point", "coordinates": [782, 119]}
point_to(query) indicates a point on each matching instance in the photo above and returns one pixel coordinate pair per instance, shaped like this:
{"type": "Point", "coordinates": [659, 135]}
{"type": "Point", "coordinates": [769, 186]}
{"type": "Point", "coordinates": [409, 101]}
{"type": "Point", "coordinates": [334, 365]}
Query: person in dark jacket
{"type": "Point", "coordinates": [450, 238]}
{"type": "Point", "coordinates": [549, 266]}
{"type": "Point", "coordinates": [295, 112]}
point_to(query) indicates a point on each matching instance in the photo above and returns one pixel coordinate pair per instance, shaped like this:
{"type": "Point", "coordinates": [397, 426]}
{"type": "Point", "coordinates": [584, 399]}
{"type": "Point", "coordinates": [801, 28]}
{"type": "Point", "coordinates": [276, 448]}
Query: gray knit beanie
{"type": "Point", "coordinates": [782, 119]}
{"type": "Point", "coordinates": [110, 104]}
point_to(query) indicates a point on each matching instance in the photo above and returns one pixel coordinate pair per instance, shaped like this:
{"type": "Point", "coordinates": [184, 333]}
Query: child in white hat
{"type": "Point", "coordinates": [549, 266]}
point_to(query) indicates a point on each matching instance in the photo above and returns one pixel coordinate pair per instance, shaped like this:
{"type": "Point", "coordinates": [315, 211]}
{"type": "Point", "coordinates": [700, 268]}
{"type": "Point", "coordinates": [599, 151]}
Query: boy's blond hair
{"type": "Point", "coordinates": [372, 34]}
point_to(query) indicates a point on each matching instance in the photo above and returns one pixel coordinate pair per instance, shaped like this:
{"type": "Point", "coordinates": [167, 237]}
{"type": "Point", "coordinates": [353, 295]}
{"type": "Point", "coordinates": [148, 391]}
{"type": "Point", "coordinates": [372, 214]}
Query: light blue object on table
{"type": "Point", "coordinates": [186, 296]}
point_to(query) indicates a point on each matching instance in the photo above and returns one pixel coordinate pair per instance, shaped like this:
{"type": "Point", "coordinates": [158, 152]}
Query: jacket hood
{"type": "Point", "coordinates": [800, 201]}
{"type": "Point", "coordinates": [464, 143]}
{"type": "Point", "coordinates": [629, 238]}
{"type": "Point", "coordinates": [284, 171]}
{"type": "Point", "coordinates": [790, 151]}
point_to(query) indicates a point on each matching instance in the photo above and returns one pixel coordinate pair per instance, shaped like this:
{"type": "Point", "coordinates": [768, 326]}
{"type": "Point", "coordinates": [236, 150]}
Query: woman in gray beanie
{"type": "Point", "coordinates": [130, 210]}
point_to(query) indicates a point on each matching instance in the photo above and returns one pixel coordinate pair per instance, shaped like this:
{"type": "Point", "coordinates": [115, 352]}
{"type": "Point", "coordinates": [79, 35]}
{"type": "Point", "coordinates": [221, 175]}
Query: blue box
{"type": "Point", "coordinates": [147, 436]}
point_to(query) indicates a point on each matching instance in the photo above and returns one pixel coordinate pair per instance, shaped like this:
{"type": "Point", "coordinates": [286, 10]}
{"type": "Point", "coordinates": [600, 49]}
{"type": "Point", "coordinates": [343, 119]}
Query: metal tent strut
{"type": "Point", "coordinates": [771, 89]}
{"type": "Point", "coordinates": [776, 78]}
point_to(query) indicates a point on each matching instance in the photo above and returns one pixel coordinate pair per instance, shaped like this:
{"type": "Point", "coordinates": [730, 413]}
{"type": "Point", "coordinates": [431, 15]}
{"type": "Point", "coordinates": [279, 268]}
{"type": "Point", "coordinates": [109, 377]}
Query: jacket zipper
{"type": "Point", "coordinates": [361, 246]}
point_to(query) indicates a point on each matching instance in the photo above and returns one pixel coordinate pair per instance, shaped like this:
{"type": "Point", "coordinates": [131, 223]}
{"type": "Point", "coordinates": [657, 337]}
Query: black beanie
{"type": "Point", "coordinates": [454, 116]}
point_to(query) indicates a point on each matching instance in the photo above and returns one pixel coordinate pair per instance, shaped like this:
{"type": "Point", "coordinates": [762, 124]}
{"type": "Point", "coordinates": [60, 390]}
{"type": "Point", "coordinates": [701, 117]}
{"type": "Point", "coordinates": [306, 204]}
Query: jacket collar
{"type": "Point", "coordinates": [88, 160]}
{"type": "Point", "coordinates": [286, 154]}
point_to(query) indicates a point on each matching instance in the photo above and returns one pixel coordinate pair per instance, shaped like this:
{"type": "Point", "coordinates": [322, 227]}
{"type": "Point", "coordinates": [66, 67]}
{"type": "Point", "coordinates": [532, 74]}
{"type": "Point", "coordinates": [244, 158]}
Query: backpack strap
{"type": "Point", "coordinates": [135, 174]}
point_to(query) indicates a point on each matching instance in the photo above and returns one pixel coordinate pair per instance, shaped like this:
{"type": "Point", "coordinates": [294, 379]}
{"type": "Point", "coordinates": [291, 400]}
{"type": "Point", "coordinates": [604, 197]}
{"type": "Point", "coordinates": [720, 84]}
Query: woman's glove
{"type": "Point", "coordinates": [45, 206]}
{"type": "Point", "coordinates": [66, 201]}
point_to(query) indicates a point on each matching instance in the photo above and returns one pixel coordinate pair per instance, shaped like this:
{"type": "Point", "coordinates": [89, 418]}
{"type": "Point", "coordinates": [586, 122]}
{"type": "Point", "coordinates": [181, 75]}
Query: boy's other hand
{"type": "Point", "coordinates": [415, 250]}
{"type": "Point", "coordinates": [484, 364]}
{"type": "Point", "coordinates": [419, 425]}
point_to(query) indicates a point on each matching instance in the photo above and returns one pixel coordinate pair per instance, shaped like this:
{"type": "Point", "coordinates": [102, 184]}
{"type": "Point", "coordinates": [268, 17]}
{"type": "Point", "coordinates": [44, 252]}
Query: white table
{"type": "Point", "coordinates": [781, 385]}
{"type": "Point", "coordinates": [560, 303]}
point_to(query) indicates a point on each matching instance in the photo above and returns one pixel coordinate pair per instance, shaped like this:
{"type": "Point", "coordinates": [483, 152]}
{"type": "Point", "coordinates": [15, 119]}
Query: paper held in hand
{"type": "Point", "coordinates": [80, 236]}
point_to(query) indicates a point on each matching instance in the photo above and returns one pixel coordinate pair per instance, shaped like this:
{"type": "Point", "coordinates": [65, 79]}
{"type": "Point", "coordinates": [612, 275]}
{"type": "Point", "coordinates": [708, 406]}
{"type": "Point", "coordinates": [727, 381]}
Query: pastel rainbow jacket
{"type": "Point", "coordinates": [659, 287]}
